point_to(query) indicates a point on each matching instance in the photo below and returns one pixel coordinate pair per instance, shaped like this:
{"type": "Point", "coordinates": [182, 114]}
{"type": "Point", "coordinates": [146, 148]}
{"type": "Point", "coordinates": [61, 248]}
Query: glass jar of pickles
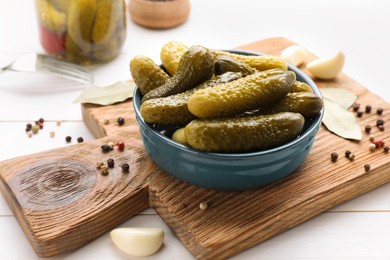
{"type": "Point", "coordinates": [82, 31]}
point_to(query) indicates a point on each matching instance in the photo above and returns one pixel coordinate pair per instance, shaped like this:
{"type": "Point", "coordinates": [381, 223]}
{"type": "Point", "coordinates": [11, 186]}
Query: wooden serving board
{"type": "Point", "coordinates": [62, 201]}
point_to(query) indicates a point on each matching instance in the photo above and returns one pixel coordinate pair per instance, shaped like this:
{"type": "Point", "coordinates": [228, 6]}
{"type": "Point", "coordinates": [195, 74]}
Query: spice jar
{"type": "Point", "coordinates": [82, 31]}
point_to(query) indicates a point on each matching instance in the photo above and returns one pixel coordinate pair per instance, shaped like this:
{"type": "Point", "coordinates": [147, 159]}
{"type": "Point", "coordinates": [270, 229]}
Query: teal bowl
{"type": "Point", "coordinates": [228, 171]}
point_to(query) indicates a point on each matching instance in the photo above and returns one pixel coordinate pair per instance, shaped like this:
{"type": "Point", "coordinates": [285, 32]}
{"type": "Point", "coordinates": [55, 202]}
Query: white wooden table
{"type": "Point", "coordinates": [359, 229]}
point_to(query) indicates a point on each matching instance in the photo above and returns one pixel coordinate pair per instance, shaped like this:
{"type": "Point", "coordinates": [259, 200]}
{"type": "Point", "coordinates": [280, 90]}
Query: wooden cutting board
{"type": "Point", "coordinates": [62, 201]}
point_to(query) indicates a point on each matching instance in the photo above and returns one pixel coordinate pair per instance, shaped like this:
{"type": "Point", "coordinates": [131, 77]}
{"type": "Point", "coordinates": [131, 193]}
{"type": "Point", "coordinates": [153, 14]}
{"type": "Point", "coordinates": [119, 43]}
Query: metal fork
{"type": "Point", "coordinates": [34, 62]}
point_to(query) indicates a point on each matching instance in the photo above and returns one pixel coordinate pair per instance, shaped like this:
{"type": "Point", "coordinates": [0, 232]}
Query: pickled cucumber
{"type": "Point", "coordinates": [195, 67]}
{"type": "Point", "coordinates": [147, 74]}
{"type": "Point", "coordinates": [249, 93]}
{"type": "Point", "coordinates": [224, 63]}
{"type": "Point", "coordinates": [81, 16]}
{"type": "Point", "coordinates": [245, 134]}
{"type": "Point", "coordinates": [261, 62]}
{"type": "Point", "coordinates": [106, 19]}
{"type": "Point", "coordinates": [61, 5]}
{"type": "Point", "coordinates": [174, 109]}
{"type": "Point", "coordinates": [300, 86]}
{"type": "Point", "coordinates": [306, 103]}
{"type": "Point", "coordinates": [49, 17]}
{"type": "Point", "coordinates": [171, 54]}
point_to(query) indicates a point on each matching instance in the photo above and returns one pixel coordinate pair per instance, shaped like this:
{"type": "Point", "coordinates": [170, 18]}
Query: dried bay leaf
{"type": "Point", "coordinates": [107, 95]}
{"type": "Point", "coordinates": [343, 97]}
{"type": "Point", "coordinates": [341, 121]}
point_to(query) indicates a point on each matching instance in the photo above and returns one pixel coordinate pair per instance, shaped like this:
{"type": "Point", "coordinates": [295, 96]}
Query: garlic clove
{"type": "Point", "coordinates": [138, 241]}
{"type": "Point", "coordinates": [327, 68]}
{"type": "Point", "coordinates": [294, 54]}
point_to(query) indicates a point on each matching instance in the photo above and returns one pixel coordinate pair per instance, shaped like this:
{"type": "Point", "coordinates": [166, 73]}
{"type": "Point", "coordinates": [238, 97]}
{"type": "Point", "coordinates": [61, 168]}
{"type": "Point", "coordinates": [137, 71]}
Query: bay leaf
{"type": "Point", "coordinates": [343, 97]}
{"type": "Point", "coordinates": [341, 121]}
{"type": "Point", "coordinates": [107, 95]}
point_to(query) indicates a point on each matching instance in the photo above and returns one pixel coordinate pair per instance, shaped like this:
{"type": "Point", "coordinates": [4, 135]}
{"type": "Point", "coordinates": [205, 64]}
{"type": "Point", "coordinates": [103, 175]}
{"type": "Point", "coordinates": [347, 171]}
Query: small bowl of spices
{"type": "Point", "coordinates": [159, 14]}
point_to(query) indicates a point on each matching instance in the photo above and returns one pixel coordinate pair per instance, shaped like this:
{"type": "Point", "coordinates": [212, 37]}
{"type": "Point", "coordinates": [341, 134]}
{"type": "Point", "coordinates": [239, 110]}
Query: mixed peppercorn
{"type": "Point", "coordinates": [374, 143]}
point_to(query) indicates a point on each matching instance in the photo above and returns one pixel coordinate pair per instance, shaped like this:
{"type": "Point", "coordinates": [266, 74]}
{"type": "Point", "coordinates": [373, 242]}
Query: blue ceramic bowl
{"type": "Point", "coordinates": [229, 171]}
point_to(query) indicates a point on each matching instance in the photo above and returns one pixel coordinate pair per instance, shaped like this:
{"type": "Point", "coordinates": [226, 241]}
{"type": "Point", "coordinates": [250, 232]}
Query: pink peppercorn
{"type": "Point", "coordinates": [121, 146]}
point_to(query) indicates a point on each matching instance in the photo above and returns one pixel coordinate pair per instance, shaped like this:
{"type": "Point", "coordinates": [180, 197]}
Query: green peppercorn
{"type": "Point", "coordinates": [104, 169]}
{"type": "Point", "coordinates": [35, 129]}
{"type": "Point", "coordinates": [99, 165]}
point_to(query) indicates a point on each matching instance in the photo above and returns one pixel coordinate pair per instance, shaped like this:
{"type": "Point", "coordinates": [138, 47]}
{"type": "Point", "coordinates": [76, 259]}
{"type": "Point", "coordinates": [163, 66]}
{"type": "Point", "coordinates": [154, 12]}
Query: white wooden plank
{"type": "Point", "coordinates": [16, 142]}
{"type": "Point", "coordinates": [15, 246]}
{"type": "Point", "coordinates": [328, 236]}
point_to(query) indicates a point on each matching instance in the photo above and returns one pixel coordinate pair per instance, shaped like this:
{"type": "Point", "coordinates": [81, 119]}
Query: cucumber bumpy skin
{"type": "Point", "coordinates": [224, 63]}
{"type": "Point", "coordinates": [259, 62]}
{"type": "Point", "coordinates": [173, 110]}
{"type": "Point", "coordinates": [245, 134]}
{"type": "Point", "coordinates": [147, 74]}
{"type": "Point", "coordinates": [300, 86]}
{"type": "Point", "coordinates": [246, 94]}
{"type": "Point", "coordinates": [307, 104]}
{"type": "Point", "coordinates": [196, 66]}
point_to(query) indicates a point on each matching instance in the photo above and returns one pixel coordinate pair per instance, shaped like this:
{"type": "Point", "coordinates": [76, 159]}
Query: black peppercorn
{"type": "Point", "coordinates": [356, 107]}
{"type": "Point", "coordinates": [41, 120]}
{"type": "Point", "coordinates": [386, 149]}
{"type": "Point", "coordinates": [125, 168]}
{"type": "Point", "coordinates": [105, 148]}
{"type": "Point", "coordinates": [80, 140]}
{"type": "Point", "coordinates": [28, 127]}
{"type": "Point", "coordinates": [381, 127]}
{"type": "Point", "coordinates": [121, 120]}
{"type": "Point", "coordinates": [68, 139]}
{"type": "Point", "coordinates": [367, 128]}
{"type": "Point", "coordinates": [379, 111]}
{"type": "Point", "coordinates": [380, 122]}
{"type": "Point", "coordinates": [368, 109]}
{"type": "Point", "coordinates": [110, 163]}
{"type": "Point", "coordinates": [359, 114]}
{"type": "Point", "coordinates": [334, 156]}
{"type": "Point", "coordinates": [367, 167]}
{"type": "Point", "coordinates": [347, 153]}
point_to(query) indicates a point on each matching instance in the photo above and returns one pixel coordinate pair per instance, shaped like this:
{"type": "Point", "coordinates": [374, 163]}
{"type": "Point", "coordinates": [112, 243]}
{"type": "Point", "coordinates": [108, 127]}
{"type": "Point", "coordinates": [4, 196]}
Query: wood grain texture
{"type": "Point", "coordinates": [62, 202]}
{"type": "Point", "coordinates": [235, 221]}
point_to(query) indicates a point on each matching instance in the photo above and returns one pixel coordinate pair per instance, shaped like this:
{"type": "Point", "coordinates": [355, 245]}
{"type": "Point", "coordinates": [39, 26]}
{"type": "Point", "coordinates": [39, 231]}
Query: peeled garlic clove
{"type": "Point", "coordinates": [294, 55]}
{"type": "Point", "coordinates": [327, 68]}
{"type": "Point", "coordinates": [138, 241]}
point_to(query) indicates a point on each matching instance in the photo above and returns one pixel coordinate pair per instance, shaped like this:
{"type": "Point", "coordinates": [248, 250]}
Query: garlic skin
{"type": "Point", "coordinates": [327, 68]}
{"type": "Point", "coordinates": [294, 55]}
{"type": "Point", "coordinates": [138, 241]}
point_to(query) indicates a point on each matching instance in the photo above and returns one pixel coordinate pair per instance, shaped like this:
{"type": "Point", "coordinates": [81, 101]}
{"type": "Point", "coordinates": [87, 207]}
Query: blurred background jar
{"type": "Point", "coordinates": [82, 31]}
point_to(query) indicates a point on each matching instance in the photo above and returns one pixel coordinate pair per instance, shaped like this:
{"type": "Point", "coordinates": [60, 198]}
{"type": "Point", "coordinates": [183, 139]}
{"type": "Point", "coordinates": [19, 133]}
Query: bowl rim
{"type": "Point", "coordinates": [313, 126]}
